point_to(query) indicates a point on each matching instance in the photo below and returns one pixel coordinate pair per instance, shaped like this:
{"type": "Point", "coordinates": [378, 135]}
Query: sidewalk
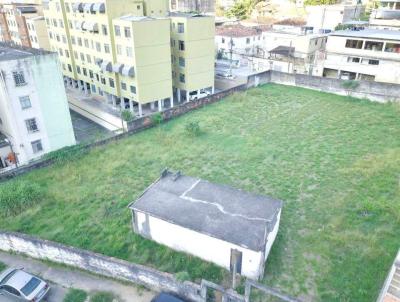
{"type": "Point", "coordinates": [65, 278]}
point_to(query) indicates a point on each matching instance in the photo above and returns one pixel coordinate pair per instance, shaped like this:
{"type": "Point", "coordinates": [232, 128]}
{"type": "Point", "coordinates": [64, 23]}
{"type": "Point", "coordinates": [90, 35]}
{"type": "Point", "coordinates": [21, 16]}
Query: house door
{"type": "Point", "coordinates": [236, 261]}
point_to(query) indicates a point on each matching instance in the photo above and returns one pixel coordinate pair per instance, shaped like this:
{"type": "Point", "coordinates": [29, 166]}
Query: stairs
{"type": "Point", "coordinates": [394, 287]}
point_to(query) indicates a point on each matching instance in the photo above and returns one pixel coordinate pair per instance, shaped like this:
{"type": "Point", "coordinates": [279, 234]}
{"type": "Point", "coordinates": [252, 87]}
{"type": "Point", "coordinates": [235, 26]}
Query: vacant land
{"type": "Point", "coordinates": [334, 161]}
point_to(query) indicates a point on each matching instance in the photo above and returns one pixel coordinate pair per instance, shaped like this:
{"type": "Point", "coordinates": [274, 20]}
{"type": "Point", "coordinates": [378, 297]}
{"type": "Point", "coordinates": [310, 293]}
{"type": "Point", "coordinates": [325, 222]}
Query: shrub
{"type": "Point", "coordinates": [2, 267]}
{"type": "Point", "coordinates": [127, 116]}
{"type": "Point", "coordinates": [15, 196]}
{"type": "Point", "coordinates": [192, 128]}
{"type": "Point", "coordinates": [102, 297]}
{"type": "Point", "coordinates": [350, 85]}
{"type": "Point", "coordinates": [182, 276]}
{"type": "Point", "coordinates": [75, 295]}
{"type": "Point", "coordinates": [157, 118]}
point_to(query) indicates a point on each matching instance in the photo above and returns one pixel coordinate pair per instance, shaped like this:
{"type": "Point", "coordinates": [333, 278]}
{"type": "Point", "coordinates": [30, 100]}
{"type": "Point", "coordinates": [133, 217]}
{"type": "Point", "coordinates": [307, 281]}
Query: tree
{"type": "Point", "coordinates": [320, 2]}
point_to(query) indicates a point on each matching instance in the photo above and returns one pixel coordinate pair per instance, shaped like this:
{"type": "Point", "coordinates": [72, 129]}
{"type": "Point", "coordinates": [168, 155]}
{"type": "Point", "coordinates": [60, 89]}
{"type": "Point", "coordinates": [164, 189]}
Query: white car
{"type": "Point", "coordinates": [202, 94]}
{"type": "Point", "coordinates": [22, 286]}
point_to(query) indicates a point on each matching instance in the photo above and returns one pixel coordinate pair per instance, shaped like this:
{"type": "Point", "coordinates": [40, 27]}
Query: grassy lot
{"type": "Point", "coordinates": [334, 161]}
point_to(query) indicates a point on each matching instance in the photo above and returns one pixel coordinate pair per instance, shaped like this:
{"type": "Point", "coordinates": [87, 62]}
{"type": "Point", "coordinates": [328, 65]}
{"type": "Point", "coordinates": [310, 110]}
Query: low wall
{"type": "Point", "coordinates": [374, 91]}
{"type": "Point", "coordinates": [99, 264]}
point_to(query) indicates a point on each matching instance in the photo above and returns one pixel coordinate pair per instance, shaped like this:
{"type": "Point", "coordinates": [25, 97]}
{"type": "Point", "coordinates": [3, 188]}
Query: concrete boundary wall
{"type": "Point", "coordinates": [98, 264]}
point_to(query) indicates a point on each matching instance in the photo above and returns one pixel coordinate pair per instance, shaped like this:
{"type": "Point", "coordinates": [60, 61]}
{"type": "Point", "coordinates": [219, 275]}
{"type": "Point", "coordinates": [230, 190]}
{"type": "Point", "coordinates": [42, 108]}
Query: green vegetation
{"type": "Point", "coordinates": [333, 160]}
{"type": "Point", "coordinates": [17, 195]}
{"type": "Point", "coordinates": [2, 266]}
{"type": "Point", "coordinates": [192, 128]}
{"type": "Point", "coordinates": [241, 9]}
{"type": "Point", "coordinates": [320, 2]}
{"type": "Point", "coordinates": [103, 297]}
{"type": "Point", "coordinates": [75, 295]}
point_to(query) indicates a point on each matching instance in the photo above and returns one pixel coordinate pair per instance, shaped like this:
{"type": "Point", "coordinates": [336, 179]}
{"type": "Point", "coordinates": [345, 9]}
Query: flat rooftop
{"type": "Point", "coordinates": [215, 210]}
{"type": "Point", "coordinates": [8, 52]}
{"type": "Point", "coordinates": [380, 34]}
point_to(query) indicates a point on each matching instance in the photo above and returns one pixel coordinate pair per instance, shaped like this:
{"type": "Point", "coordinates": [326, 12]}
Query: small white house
{"type": "Point", "coordinates": [217, 223]}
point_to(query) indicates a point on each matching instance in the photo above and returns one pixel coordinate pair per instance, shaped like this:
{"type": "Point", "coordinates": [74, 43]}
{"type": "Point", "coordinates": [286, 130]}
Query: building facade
{"type": "Point", "coordinates": [386, 16]}
{"type": "Point", "coordinates": [127, 60]}
{"type": "Point", "coordinates": [371, 55]}
{"type": "Point", "coordinates": [209, 221]}
{"type": "Point", "coordinates": [34, 114]}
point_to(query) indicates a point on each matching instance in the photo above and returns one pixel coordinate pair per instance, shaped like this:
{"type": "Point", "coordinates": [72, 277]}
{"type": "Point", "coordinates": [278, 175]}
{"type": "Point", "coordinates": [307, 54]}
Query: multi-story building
{"type": "Point", "coordinates": [125, 60]}
{"type": "Point", "coordinates": [386, 16]}
{"type": "Point", "coordinates": [24, 25]}
{"type": "Point", "coordinates": [193, 55]}
{"type": "Point", "coordinates": [34, 114]}
{"type": "Point", "coordinates": [370, 54]}
{"type": "Point", "coordinates": [289, 49]}
{"type": "Point", "coordinates": [199, 6]}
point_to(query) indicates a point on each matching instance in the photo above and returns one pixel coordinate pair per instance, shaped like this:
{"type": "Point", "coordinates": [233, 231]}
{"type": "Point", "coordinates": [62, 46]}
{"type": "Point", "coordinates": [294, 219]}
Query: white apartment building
{"type": "Point", "coordinates": [325, 18]}
{"type": "Point", "coordinates": [386, 16]}
{"type": "Point", "coordinates": [370, 54]}
{"type": "Point", "coordinates": [34, 114]}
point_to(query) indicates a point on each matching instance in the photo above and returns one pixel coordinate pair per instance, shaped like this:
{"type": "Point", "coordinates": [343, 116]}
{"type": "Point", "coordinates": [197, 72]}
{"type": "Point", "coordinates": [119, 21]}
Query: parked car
{"type": "Point", "coordinates": [202, 94]}
{"type": "Point", "coordinates": [224, 74]}
{"type": "Point", "coordinates": [22, 286]}
{"type": "Point", "coordinates": [164, 297]}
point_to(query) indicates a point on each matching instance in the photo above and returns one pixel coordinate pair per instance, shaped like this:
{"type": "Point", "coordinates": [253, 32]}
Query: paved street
{"type": "Point", "coordinates": [62, 278]}
{"type": "Point", "coordinates": [86, 130]}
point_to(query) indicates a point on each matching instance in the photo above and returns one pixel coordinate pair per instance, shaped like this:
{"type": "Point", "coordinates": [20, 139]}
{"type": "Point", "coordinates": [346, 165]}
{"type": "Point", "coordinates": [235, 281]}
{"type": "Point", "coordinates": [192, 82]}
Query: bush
{"type": "Point", "coordinates": [15, 196]}
{"type": "Point", "coordinates": [67, 154]}
{"type": "Point", "coordinates": [193, 128]}
{"type": "Point", "coordinates": [182, 276]}
{"type": "Point", "coordinates": [350, 85]}
{"type": "Point", "coordinates": [2, 267]}
{"type": "Point", "coordinates": [157, 118]}
{"type": "Point", "coordinates": [127, 116]}
{"type": "Point", "coordinates": [75, 295]}
{"type": "Point", "coordinates": [102, 297]}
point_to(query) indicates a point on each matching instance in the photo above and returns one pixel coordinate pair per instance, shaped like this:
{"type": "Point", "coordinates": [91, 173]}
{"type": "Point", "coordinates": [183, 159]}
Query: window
{"type": "Point", "coordinates": [117, 30]}
{"type": "Point", "coordinates": [123, 85]}
{"type": "Point", "coordinates": [37, 146]}
{"type": "Point", "coordinates": [353, 60]}
{"type": "Point", "coordinates": [86, 42]}
{"type": "Point", "coordinates": [247, 40]}
{"type": "Point", "coordinates": [82, 57]}
{"type": "Point", "coordinates": [354, 44]}
{"type": "Point", "coordinates": [79, 41]}
{"type": "Point", "coordinates": [67, 53]}
{"type": "Point", "coordinates": [129, 52]}
{"type": "Point", "coordinates": [19, 78]}
{"type": "Point", "coordinates": [182, 78]}
{"type": "Point", "coordinates": [181, 45]}
{"type": "Point", "coordinates": [84, 71]}
{"type": "Point", "coordinates": [392, 47]}
{"type": "Point", "coordinates": [181, 62]}
{"type": "Point", "coordinates": [127, 32]}
{"type": "Point", "coordinates": [112, 84]}
{"type": "Point", "coordinates": [88, 58]}
{"type": "Point", "coordinates": [222, 40]}
{"type": "Point", "coordinates": [25, 102]}
{"type": "Point", "coordinates": [373, 62]}
{"type": "Point", "coordinates": [31, 125]}
{"type": "Point", "coordinates": [372, 45]}
{"type": "Point", "coordinates": [119, 49]}
{"type": "Point", "coordinates": [98, 47]}
{"type": "Point", "coordinates": [181, 28]}
{"type": "Point", "coordinates": [106, 48]}
{"type": "Point", "coordinates": [103, 81]}
{"type": "Point", "coordinates": [133, 89]}
{"type": "Point", "coordinates": [90, 74]}
{"type": "Point", "coordinates": [69, 68]}
{"type": "Point", "coordinates": [78, 69]}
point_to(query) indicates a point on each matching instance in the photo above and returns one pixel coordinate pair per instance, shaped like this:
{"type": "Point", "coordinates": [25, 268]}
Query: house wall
{"type": "Point", "coordinates": [203, 246]}
{"type": "Point", "coordinates": [38, 33]}
{"type": "Point", "coordinates": [241, 45]}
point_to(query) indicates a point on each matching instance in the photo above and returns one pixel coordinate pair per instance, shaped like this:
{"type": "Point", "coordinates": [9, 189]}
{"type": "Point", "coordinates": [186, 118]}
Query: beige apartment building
{"type": "Point", "coordinates": [123, 52]}
{"type": "Point", "coordinates": [369, 55]}
{"type": "Point", "coordinates": [23, 25]}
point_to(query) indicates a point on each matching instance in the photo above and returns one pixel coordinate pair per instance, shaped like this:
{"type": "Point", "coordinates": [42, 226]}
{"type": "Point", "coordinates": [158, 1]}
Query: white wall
{"type": "Point", "coordinates": [241, 47]}
{"type": "Point", "coordinates": [208, 248]}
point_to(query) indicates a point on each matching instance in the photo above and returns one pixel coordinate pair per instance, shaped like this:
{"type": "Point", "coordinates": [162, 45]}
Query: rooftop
{"type": "Point", "coordinates": [216, 210]}
{"type": "Point", "coordinates": [236, 30]}
{"type": "Point", "coordinates": [8, 52]}
{"type": "Point", "coordinates": [136, 18]}
{"type": "Point", "coordinates": [369, 33]}
{"type": "Point", "coordinates": [187, 15]}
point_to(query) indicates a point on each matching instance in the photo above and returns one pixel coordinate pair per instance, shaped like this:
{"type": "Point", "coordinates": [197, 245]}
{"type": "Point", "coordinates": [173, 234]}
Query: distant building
{"type": "Point", "coordinates": [325, 18]}
{"type": "Point", "coordinates": [289, 49]}
{"type": "Point", "coordinates": [34, 114]}
{"type": "Point", "coordinates": [190, 6]}
{"type": "Point", "coordinates": [370, 55]}
{"type": "Point", "coordinates": [386, 16]}
{"type": "Point", "coordinates": [217, 223]}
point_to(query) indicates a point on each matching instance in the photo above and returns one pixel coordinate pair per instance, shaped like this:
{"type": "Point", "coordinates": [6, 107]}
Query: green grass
{"type": "Point", "coordinates": [334, 161]}
{"type": "Point", "coordinates": [103, 297]}
{"type": "Point", "coordinates": [75, 295]}
{"type": "Point", "coordinates": [2, 267]}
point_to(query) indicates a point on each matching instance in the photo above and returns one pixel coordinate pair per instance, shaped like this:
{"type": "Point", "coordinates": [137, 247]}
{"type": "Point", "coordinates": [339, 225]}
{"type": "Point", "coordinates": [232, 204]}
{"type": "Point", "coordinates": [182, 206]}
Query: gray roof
{"type": "Point", "coordinates": [12, 52]}
{"type": "Point", "coordinates": [381, 34]}
{"type": "Point", "coordinates": [216, 210]}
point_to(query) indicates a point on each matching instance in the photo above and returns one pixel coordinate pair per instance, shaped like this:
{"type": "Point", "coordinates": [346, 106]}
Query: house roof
{"type": "Point", "coordinates": [8, 52]}
{"type": "Point", "coordinates": [282, 50]}
{"type": "Point", "coordinates": [381, 34]}
{"type": "Point", "coordinates": [219, 211]}
{"type": "Point", "coordinates": [236, 31]}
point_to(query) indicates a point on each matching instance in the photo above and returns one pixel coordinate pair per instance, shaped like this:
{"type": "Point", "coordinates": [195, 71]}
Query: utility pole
{"type": "Point", "coordinates": [230, 52]}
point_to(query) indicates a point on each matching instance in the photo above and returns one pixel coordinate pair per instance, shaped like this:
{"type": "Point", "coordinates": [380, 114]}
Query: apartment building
{"type": "Point", "coordinates": [125, 59]}
{"type": "Point", "coordinates": [203, 6]}
{"type": "Point", "coordinates": [23, 24]}
{"type": "Point", "coordinates": [34, 114]}
{"type": "Point", "coordinates": [370, 55]}
{"type": "Point", "coordinates": [386, 16]}
{"type": "Point", "coordinates": [193, 55]}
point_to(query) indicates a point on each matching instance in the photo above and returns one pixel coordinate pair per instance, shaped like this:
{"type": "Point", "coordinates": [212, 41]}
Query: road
{"type": "Point", "coordinates": [62, 278]}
